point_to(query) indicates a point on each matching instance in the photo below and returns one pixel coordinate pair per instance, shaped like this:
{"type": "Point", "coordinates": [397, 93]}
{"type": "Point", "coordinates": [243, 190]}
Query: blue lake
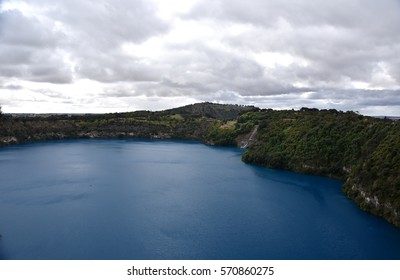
{"type": "Point", "coordinates": [142, 199]}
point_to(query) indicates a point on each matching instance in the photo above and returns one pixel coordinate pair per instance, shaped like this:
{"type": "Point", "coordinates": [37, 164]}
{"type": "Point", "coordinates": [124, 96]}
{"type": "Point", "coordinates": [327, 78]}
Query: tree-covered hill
{"type": "Point", "coordinates": [189, 122]}
{"type": "Point", "coordinates": [212, 110]}
{"type": "Point", "coordinates": [362, 151]}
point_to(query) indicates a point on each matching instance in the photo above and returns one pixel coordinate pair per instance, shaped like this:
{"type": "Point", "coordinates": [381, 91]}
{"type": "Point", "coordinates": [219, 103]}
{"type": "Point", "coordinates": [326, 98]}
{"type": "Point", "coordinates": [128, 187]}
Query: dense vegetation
{"type": "Point", "coordinates": [362, 151]}
{"type": "Point", "coordinates": [309, 141]}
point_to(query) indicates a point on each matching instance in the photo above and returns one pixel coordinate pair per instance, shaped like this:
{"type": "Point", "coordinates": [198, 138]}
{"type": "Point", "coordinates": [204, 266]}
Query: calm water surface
{"type": "Point", "coordinates": [134, 199]}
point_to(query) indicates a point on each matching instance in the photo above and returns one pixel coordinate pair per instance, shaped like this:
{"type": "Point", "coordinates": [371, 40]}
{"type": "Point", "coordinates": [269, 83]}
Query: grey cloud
{"type": "Point", "coordinates": [50, 93]}
{"type": "Point", "coordinates": [357, 97]}
{"type": "Point", "coordinates": [394, 67]}
{"type": "Point", "coordinates": [18, 30]}
{"type": "Point", "coordinates": [124, 90]}
{"type": "Point", "coordinates": [339, 13]}
{"type": "Point", "coordinates": [338, 55]}
{"type": "Point", "coordinates": [114, 67]}
{"type": "Point", "coordinates": [56, 73]}
{"type": "Point", "coordinates": [11, 87]}
{"type": "Point", "coordinates": [14, 55]}
{"type": "Point", "coordinates": [107, 23]}
{"type": "Point", "coordinates": [207, 70]}
{"type": "Point", "coordinates": [46, 69]}
{"type": "Point", "coordinates": [28, 50]}
{"type": "Point", "coordinates": [95, 38]}
{"type": "Point", "coordinates": [90, 32]}
{"type": "Point", "coordinates": [340, 40]}
{"type": "Point", "coordinates": [377, 97]}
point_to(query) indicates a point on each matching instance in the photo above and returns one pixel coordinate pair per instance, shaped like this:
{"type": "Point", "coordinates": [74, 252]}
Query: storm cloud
{"type": "Point", "coordinates": [121, 55]}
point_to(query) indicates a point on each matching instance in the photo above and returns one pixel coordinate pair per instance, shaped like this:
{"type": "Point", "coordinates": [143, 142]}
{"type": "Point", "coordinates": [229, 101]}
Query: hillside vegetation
{"type": "Point", "coordinates": [362, 151]}
{"type": "Point", "coordinates": [189, 122]}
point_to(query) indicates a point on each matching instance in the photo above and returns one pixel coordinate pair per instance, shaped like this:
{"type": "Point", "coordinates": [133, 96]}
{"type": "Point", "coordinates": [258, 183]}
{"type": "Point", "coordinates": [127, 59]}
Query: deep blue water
{"type": "Point", "coordinates": [140, 199]}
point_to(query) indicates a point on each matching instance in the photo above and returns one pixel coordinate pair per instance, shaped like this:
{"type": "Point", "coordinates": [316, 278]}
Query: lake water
{"type": "Point", "coordinates": [142, 199]}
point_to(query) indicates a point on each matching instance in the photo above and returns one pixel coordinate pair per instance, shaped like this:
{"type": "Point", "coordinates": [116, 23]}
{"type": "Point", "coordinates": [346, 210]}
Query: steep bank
{"type": "Point", "coordinates": [374, 182]}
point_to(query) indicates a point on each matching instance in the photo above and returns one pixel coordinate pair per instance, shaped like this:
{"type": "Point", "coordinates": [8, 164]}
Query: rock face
{"type": "Point", "coordinates": [371, 203]}
{"type": "Point", "coordinates": [245, 143]}
{"type": "Point", "coordinates": [5, 140]}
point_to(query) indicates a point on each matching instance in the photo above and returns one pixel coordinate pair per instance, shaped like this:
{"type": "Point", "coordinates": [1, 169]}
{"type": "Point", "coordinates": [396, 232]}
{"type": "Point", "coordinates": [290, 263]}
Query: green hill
{"type": "Point", "coordinates": [212, 110]}
{"type": "Point", "coordinates": [188, 122]}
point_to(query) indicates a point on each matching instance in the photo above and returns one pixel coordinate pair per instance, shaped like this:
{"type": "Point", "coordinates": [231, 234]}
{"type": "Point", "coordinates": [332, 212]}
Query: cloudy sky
{"type": "Point", "coordinates": [123, 55]}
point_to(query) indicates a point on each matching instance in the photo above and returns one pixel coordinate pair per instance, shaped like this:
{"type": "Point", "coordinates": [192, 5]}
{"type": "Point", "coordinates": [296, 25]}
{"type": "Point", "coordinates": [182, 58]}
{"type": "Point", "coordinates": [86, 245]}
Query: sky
{"type": "Point", "coordinates": [99, 56]}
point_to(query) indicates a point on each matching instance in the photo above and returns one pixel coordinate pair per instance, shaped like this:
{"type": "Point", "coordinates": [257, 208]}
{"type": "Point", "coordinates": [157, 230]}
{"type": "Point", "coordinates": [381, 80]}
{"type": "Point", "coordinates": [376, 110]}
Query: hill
{"type": "Point", "coordinates": [212, 110]}
{"type": "Point", "coordinates": [188, 122]}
